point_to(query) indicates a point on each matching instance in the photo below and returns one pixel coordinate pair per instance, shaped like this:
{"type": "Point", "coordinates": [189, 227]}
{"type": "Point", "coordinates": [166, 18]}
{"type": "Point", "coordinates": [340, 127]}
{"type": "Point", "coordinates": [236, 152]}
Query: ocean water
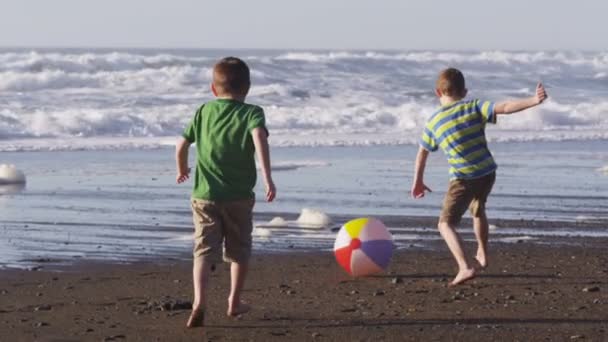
{"type": "Point", "coordinates": [92, 131]}
{"type": "Point", "coordinates": [124, 205]}
{"type": "Point", "coordinates": [125, 98]}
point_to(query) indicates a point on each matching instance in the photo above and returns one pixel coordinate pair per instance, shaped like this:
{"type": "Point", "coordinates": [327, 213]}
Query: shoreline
{"type": "Point", "coordinates": [425, 220]}
{"type": "Point", "coordinates": [167, 142]}
{"type": "Point", "coordinates": [529, 292]}
{"type": "Point", "coordinates": [416, 233]}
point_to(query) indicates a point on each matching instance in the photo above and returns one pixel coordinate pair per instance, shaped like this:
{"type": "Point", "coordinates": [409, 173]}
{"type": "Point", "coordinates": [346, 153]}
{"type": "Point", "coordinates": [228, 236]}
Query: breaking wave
{"type": "Point", "coordinates": [137, 98]}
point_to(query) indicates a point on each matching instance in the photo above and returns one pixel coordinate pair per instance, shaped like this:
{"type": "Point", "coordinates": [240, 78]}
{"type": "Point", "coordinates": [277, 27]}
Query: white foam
{"type": "Point", "coordinates": [373, 124]}
{"type": "Point", "coordinates": [599, 60]}
{"type": "Point", "coordinates": [516, 239]}
{"type": "Point", "coordinates": [262, 232]}
{"type": "Point", "coordinates": [283, 140]}
{"type": "Point", "coordinates": [118, 99]}
{"type": "Point", "coordinates": [308, 219]}
{"type": "Point", "coordinates": [181, 237]}
{"type": "Point", "coordinates": [313, 218]}
{"type": "Point", "coordinates": [93, 62]}
{"type": "Point", "coordinates": [603, 169]}
{"type": "Point", "coordinates": [9, 174]}
{"type": "Point", "coordinates": [601, 75]}
{"type": "Point", "coordinates": [86, 144]}
{"type": "Point", "coordinates": [277, 222]}
{"type": "Point", "coordinates": [584, 218]}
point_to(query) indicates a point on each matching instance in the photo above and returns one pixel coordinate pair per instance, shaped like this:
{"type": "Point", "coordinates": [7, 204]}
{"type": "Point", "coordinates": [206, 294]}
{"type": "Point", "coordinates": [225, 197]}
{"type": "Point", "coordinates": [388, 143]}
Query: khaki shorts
{"type": "Point", "coordinates": [223, 225]}
{"type": "Point", "coordinates": [466, 193]}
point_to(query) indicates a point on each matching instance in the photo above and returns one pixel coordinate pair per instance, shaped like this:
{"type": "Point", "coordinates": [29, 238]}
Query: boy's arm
{"type": "Point", "coordinates": [513, 106]}
{"type": "Point", "coordinates": [181, 159]}
{"type": "Point", "coordinates": [260, 140]}
{"type": "Point", "coordinates": [418, 188]}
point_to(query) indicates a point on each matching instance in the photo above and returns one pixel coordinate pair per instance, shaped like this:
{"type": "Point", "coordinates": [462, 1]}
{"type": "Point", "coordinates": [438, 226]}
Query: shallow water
{"type": "Point", "coordinates": [123, 205]}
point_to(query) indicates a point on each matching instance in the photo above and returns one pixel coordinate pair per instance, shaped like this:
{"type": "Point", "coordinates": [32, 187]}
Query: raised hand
{"type": "Point", "coordinates": [541, 93]}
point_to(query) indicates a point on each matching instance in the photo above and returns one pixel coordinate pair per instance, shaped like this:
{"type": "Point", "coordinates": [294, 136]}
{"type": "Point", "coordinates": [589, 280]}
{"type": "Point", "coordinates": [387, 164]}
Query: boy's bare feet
{"type": "Point", "coordinates": [463, 276]}
{"type": "Point", "coordinates": [236, 309]}
{"type": "Point", "coordinates": [196, 319]}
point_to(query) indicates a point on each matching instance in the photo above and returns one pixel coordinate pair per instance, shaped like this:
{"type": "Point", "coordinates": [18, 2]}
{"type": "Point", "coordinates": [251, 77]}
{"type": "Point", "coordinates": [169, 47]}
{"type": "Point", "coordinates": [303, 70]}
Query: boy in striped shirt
{"type": "Point", "coordinates": [458, 127]}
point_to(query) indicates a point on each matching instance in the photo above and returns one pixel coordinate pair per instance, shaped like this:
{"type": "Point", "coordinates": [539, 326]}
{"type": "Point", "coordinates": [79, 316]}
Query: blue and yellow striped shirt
{"type": "Point", "coordinates": [459, 129]}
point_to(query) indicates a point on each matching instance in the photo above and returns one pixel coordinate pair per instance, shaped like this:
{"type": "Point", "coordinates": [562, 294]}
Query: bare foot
{"type": "Point", "coordinates": [463, 276]}
{"type": "Point", "coordinates": [238, 309]}
{"type": "Point", "coordinates": [196, 319]}
{"type": "Point", "coordinates": [481, 260]}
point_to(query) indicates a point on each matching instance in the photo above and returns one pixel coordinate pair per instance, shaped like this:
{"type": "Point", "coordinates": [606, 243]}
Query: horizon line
{"type": "Point", "coordinates": [299, 49]}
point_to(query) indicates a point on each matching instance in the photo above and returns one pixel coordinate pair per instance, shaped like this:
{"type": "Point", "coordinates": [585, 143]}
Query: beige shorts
{"type": "Point", "coordinates": [463, 194]}
{"type": "Point", "coordinates": [226, 226]}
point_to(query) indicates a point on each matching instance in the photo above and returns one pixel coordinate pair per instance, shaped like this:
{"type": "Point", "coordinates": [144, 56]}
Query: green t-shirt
{"type": "Point", "coordinates": [225, 165]}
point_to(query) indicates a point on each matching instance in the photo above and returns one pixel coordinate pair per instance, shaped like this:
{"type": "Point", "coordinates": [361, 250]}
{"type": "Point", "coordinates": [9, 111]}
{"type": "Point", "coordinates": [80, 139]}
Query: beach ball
{"type": "Point", "coordinates": [363, 246]}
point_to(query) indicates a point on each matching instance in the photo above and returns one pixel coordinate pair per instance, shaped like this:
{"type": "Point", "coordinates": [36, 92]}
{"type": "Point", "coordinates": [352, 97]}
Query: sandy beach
{"type": "Point", "coordinates": [529, 293]}
{"type": "Point", "coordinates": [96, 236]}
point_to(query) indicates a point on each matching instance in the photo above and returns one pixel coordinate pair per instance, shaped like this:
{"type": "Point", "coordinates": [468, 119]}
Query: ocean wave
{"type": "Point", "coordinates": [163, 79]}
{"type": "Point", "coordinates": [286, 140]}
{"type": "Point", "coordinates": [91, 122]}
{"type": "Point", "coordinates": [314, 125]}
{"type": "Point", "coordinates": [597, 60]}
{"type": "Point", "coordinates": [33, 62]}
{"type": "Point", "coordinates": [553, 115]}
{"type": "Point", "coordinates": [309, 100]}
{"type": "Point", "coordinates": [33, 71]}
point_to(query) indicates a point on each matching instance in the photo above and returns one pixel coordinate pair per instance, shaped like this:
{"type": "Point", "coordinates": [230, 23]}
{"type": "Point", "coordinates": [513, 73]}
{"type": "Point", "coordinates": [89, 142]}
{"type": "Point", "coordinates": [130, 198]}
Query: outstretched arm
{"type": "Point", "coordinates": [260, 140]}
{"type": "Point", "coordinates": [514, 106]}
{"type": "Point", "coordinates": [181, 160]}
{"type": "Point", "coordinates": [418, 187]}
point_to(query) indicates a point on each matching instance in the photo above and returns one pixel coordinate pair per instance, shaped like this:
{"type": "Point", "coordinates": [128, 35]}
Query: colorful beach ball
{"type": "Point", "coordinates": [363, 246]}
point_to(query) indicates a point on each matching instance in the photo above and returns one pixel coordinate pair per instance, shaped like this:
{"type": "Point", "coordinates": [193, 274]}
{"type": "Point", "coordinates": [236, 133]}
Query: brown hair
{"type": "Point", "coordinates": [231, 76]}
{"type": "Point", "coordinates": [451, 83]}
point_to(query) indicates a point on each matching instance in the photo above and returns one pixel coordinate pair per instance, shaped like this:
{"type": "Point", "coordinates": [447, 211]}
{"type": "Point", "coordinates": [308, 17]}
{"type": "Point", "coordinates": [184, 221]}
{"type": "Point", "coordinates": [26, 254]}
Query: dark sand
{"type": "Point", "coordinates": [529, 293]}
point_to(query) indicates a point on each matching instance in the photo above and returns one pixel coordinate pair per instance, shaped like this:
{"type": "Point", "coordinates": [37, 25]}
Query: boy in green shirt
{"type": "Point", "coordinates": [227, 133]}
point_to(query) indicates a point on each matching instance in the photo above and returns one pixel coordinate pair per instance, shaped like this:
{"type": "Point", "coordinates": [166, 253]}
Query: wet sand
{"type": "Point", "coordinates": [528, 293]}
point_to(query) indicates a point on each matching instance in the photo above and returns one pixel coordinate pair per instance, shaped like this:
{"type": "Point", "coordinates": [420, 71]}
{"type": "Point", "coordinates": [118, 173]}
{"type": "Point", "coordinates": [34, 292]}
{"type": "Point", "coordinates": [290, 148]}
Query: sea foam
{"type": "Point", "coordinates": [9, 174]}
{"type": "Point", "coordinates": [314, 218]}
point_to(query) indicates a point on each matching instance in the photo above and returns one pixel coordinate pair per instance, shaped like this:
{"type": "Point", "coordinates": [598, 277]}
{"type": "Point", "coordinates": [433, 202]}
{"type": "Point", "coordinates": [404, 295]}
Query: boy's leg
{"type": "Point", "coordinates": [238, 273]}
{"type": "Point", "coordinates": [483, 187]}
{"type": "Point", "coordinates": [481, 227]}
{"type": "Point", "coordinates": [207, 251]}
{"type": "Point", "coordinates": [456, 201]}
{"type": "Point", "coordinates": [201, 269]}
{"type": "Point", "coordinates": [237, 217]}
{"type": "Point", "coordinates": [452, 239]}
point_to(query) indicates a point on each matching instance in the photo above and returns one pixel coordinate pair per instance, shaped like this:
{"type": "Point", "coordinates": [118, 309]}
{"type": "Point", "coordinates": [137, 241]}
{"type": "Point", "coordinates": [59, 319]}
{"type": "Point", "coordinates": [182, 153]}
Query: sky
{"type": "Point", "coordinates": [307, 24]}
